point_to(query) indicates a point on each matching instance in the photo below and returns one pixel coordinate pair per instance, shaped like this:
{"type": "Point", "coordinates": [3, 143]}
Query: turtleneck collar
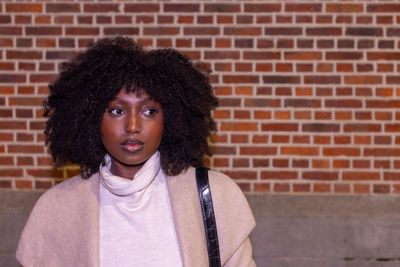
{"type": "Point", "coordinates": [122, 186]}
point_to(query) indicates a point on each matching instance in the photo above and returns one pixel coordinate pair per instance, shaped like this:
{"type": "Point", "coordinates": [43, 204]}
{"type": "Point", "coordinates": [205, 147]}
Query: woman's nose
{"type": "Point", "coordinates": [133, 123]}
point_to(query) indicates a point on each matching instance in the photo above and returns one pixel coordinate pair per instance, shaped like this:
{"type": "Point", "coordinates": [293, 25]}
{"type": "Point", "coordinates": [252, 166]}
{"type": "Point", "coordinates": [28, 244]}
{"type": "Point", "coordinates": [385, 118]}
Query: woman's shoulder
{"type": "Point", "coordinates": [230, 204]}
{"type": "Point", "coordinates": [233, 215]}
{"type": "Point", "coordinates": [229, 199]}
{"type": "Point", "coordinates": [69, 192]}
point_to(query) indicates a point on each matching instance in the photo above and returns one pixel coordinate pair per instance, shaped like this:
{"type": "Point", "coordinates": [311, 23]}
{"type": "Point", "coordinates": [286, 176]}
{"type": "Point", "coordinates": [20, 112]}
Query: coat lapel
{"type": "Point", "coordinates": [187, 218]}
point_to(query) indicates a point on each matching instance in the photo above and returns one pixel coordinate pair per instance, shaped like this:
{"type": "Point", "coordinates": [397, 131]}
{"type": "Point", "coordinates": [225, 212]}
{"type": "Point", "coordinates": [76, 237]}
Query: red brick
{"type": "Point", "coordinates": [24, 7]}
{"type": "Point", "coordinates": [344, 55]}
{"type": "Point", "coordinates": [344, 8]}
{"type": "Point", "coordinates": [279, 175]}
{"type": "Point", "coordinates": [344, 103]}
{"type": "Point", "coordinates": [283, 163]}
{"type": "Point", "coordinates": [200, 31]}
{"type": "Point", "coordinates": [12, 78]}
{"type": "Point", "coordinates": [344, 19]}
{"type": "Point", "coordinates": [361, 176]}
{"type": "Point", "coordinates": [281, 187]}
{"type": "Point", "coordinates": [303, 7]}
{"type": "Point", "coordinates": [13, 125]}
{"type": "Point", "coordinates": [4, 160]}
{"type": "Point", "coordinates": [364, 31]}
{"type": "Point", "coordinates": [26, 66]}
{"type": "Point", "coordinates": [322, 79]}
{"type": "Point", "coordinates": [362, 127]}
{"type": "Point", "coordinates": [173, 7]}
{"type": "Point", "coordinates": [141, 8]}
{"type": "Point", "coordinates": [82, 31]}
{"type": "Point", "coordinates": [384, 7]}
{"type": "Point", "coordinates": [237, 163]}
{"type": "Point", "coordinates": [6, 113]}
{"type": "Point", "coordinates": [64, 19]}
{"type": "Point", "coordinates": [385, 164]}
{"type": "Point", "coordinates": [281, 79]}
{"type": "Point", "coordinates": [6, 137]}
{"type": "Point", "coordinates": [321, 188]}
{"type": "Point", "coordinates": [385, 68]}
{"type": "Point", "coordinates": [301, 187]}
{"type": "Point", "coordinates": [244, 67]}
{"type": "Point", "coordinates": [62, 7]}
{"type": "Point", "coordinates": [240, 79]}
{"type": "Point", "coordinates": [43, 30]}
{"type": "Point", "coordinates": [100, 8]}
{"type": "Point", "coordinates": [224, 19]}
{"type": "Point", "coordinates": [341, 151]}
{"type": "Point", "coordinates": [258, 187]}
{"type": "Point", "coordinates": [259, 55]}
{"type": "Point", "coordinates": [362, 188]}
{"type": "Point", "coordinates": [284, 19]}
{"type": "Point", "coordinates": [320, 175]}
{"type": "Point", "coordinates": [303, 55]}
{"type": "Point", "coordinates": [25, 149]}
{"type": "Point", "coordinates": [244, 90]}
{"type": "Point", "coordinates": [20, 54]}
{"type": "Point", "coordinates": [221, 54]}
{"type": "Point", "coordinates": [7, 66]}
{"type": "Point", "coordinates": [25, 161]}
{"type": "Point", "coordinates": [302, 103]}
{"type": "Point", "coordinates": [25, 101]}
{"type": "Point", "coordinates": [5, 19]}
{"type": "Point", "coordinates": [251, 31]}
{"type": "Point", "coordinates": [11, 173]}
{"type": "Point", "coordinates": [42, 78]}
{"type": "Point", "coordinates": [185, 19]}
{"type": "Point", "coordinates": [262, 7]}
{"type": "Point", "coordinates": [280, 139]}
{"type": "Point", "coordinates": [45, 42]}
{"type": "Point", "coordinates": [283, 31]}
{"type": "Point", "coordinates": [244, 19]}
{"type": "Point", "coordinates": [302, 151]}
{"type": "Point", "coordinates": [120, 31]}
{"type": "Point", "coordinates": [10, 30]}
{"type": "Point", "coordinates": [381, 188]}
{"type": "Point", "coordinates": [43, 184]}
{"type": "Point", "coordinates": [323, 31]}
{"type": "Point", "coordinates": [233, 126]}
{"type": "Point", "coordinates": [219, 7]}
{"type": "Point", "coordinates": [123, 19]}
{"type": "Point", "coordinates": [382, 103]}
{"type": "Point", "coordinates": [239, 138]}
{"type": "Point", "coordinates": [341, 164]}
{"type": "Point", "coordinates": [103, 19]}
{"type": "Point", "coordinates": [258, 150]}
{"type": "Point", "coordinates": [363, 79]}
{"type": "Point", "coordinates": [281, 127]}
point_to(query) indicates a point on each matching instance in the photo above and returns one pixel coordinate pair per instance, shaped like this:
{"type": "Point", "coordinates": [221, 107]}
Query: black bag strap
{"type": "Point", "coordinates": [207, 210]}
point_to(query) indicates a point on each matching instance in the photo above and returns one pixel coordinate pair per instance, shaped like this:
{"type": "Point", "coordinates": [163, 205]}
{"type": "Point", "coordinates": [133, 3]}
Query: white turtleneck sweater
{"type": "Point", "coordinates": [136, 224]}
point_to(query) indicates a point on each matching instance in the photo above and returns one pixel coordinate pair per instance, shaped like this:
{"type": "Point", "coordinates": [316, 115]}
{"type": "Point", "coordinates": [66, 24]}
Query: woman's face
{"type": "Point", "coordinates": [131, 129]}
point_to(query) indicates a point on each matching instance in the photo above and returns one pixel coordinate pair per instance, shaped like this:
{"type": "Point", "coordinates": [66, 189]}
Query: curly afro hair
{"type": "Point", "coordinates": [79, 97]}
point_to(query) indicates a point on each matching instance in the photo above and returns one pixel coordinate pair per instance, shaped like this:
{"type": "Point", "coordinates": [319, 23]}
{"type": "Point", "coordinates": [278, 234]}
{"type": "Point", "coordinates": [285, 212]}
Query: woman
{"type": "Point", "coordinates": [138, 123]}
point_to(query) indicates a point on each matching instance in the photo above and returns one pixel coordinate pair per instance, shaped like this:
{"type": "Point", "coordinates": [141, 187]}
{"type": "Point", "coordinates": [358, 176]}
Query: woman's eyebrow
{"type": "Point", "coordinates": [120, 99]}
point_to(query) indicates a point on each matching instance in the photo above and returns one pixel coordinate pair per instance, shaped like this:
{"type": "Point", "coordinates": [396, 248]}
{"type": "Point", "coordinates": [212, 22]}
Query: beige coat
{"type": "Point", "coordinates": [63, 228]}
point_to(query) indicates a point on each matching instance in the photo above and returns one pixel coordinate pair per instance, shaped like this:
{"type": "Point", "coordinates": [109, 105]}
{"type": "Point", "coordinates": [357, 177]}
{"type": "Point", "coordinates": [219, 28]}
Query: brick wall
{"type": "Point", "coordinates": [308, 90]}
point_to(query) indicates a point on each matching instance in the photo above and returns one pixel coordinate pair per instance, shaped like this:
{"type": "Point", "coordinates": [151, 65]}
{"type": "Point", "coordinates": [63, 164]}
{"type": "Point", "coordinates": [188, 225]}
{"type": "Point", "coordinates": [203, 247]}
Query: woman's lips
{"type": "Point", "coordinates": [132, 145]}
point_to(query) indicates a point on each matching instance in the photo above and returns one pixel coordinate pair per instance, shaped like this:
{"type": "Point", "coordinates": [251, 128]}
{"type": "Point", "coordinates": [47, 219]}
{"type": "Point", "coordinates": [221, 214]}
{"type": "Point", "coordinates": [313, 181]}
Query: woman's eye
{"type": "Point", "coordinates": [116, 111]}
{"type": "Point", "coordinates": [150, 111]}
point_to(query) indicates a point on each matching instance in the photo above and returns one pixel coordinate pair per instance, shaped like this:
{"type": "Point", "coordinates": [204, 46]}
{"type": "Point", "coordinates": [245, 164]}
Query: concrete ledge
{"type": "Point", "coordinates": [292, 230]}
{"type": "Point", "coordinates": [14, 211]}
{"type": "Point", "coordinates": [319, 230]}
